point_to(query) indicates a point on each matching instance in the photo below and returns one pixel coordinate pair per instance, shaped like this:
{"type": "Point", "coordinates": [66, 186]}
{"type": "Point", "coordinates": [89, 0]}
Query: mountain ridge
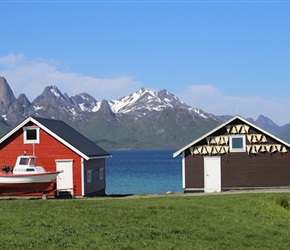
{"type": "Point", "coordinates": [144, 119]}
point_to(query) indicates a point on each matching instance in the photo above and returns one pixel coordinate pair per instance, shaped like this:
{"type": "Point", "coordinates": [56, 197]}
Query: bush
{"type": "Point", "coordinates": [283, 202]}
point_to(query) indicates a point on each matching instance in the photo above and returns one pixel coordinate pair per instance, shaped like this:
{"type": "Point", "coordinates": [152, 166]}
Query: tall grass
{"type": "Point", "coordinates": [240, 221]}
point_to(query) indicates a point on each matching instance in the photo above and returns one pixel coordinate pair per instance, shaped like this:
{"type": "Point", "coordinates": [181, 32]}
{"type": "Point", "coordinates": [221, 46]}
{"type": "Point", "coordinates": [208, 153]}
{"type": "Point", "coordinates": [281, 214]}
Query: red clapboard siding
{"type": "Point", "coordinates": [48, 150]}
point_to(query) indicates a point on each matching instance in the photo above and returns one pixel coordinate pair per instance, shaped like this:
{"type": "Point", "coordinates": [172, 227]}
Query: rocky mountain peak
{"type": "Point", "coordinates": [105, 109]}
{"type": "Point", "coordinates": [50, 92]}
{"type": "Point", "coordinates": [22, 98]}
{"type": "Point", "coordinates": [264, 119]}
{"type": "Point", "coordinates": [86, 102]}
{"type": "Point", "coordinates": [144, 102]}
{"type": "Point", "coordinates": [171, 99]}
{"type": "Point", "coordinates": [129, 116]}
{"type": "Point", "coordinates": [266, 123]}
{"type": "Point", "coordinates": [6, 95]}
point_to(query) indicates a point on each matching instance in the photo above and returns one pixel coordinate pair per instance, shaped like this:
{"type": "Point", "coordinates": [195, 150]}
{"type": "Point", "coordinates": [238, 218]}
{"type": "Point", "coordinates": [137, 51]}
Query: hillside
{"type": "Point", "coordinates": [163, 130]}
{"type": "Point", "coordinates": [145, 119]}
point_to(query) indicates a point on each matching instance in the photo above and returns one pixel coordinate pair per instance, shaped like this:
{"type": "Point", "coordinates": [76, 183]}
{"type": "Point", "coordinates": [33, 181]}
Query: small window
{"type": "Point", "coordinates": [31, 135]}
{"type": "Point", "coordinates": [24, 161]}
{"type": "Point", "coordinates": [237, 143]}
{"type": "Point", "coordinates": [32, 161]}
{"type": "Point", "coordinates": [89, 176]}
{"type": "Point", "coordinates": [101, 173]}
{"type": "Point", "coordinates": [30, 170]}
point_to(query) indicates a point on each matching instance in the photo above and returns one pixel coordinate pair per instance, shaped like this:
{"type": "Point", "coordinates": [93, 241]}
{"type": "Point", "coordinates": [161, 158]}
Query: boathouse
{"type": "Point", "coordinates": [58, 147]}
{"type": "Point", "coordinates": [235, 155]}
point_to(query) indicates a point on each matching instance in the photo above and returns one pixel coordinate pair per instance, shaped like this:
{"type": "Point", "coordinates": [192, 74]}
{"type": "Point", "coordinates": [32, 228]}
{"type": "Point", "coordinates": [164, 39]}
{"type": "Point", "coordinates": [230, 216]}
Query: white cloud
{"type": "Point", "coordinates": [32, 76]}
{"type": "Point", "coordinates": [11, 60]}
{"type": "Point", "coordinates": [210, 99]}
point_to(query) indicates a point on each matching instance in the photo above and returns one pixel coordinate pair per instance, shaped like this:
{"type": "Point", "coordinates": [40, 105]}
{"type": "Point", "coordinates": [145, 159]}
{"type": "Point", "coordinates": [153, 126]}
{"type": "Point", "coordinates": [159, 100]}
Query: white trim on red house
{"type": "Point", "coordinates": [179, 152]}
{"type": "Point", "coordinates": [59, 139]}
{"type": "Point", "coordinates": [31, 119]}
{"type": "Point", "coordinates": [83, 176]}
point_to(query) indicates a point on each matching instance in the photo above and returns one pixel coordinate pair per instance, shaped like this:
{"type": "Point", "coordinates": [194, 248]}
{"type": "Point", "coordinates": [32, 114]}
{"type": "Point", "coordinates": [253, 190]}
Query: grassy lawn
{"type": "Point", "coordinates": [234, 221]}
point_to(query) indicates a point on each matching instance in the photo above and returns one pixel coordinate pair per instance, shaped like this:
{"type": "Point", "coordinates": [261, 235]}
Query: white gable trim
{"type": "Point", "coordinates": [177, 153]}
{"type": "Point", "coordinates": [83, 176]}
{"type": "Point", "coordinates": [183, 170]}
{"type": "Point", "coordinates": [31, 119]}
{"type": "Point", "coordinates": [14, 130]}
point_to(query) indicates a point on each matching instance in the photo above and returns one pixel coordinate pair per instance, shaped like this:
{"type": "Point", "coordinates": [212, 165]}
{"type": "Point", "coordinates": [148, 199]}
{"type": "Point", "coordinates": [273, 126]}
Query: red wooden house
{"type": "Point", "coordinates": [58, 147]}
{"type": "Point", "coordinates": [235, 155]}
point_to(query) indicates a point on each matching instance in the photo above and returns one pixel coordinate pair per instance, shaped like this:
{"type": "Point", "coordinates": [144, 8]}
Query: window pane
{"type": "Point", "coordinates": [89, 176]}
{"type": "Point", "coordinates": [23, 161]}
{"type": "Point", "coordinates": [31, 134]}
{"type": "Point", "coordinates": [237, 143]}
{"type": "Point", "coordinates": [30, 170]}
{"type": "Point", "coordinates": [101, 174]}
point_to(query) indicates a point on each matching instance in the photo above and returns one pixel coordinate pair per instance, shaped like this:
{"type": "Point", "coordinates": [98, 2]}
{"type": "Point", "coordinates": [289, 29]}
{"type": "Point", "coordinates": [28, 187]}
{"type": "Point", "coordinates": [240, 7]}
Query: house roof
{"type": "Point", "coordinates": [179, 152]}
{"type": "Point", "coordinates": [66, 135]}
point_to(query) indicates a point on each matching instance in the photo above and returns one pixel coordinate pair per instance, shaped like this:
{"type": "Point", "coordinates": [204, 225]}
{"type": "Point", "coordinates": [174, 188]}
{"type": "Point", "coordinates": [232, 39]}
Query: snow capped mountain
{"type": "Point", "coordinates": [86, 102]}
{"type": "Point", "coordinates": [146, 102]}
{"type": "Point", "coordinates": [51, 92]}
{"type": "Point", "coordinates": [143, 102]}
{"type": "Point", "coordinates": [139, 103]}
{"type": "Point", "coordinates": [54, 104]}
{"type": "Point", "coordinates": [145, 118]}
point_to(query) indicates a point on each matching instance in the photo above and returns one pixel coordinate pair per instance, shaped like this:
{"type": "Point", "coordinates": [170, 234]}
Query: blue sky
{"type": "Point", "coordinates": [225, 57]}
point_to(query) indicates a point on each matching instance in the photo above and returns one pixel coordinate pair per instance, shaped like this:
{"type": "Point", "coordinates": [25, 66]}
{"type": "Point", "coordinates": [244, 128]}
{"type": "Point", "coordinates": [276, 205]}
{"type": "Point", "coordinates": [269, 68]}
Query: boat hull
{"type": "Point", "coordinates": [28, 183]}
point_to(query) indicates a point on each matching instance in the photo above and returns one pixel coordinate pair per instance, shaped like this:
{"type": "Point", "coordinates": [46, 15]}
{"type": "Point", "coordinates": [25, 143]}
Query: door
{"type": "Point", "coordinates": [212, 174]}
{"type": "Point", "coordinates": [64, 180]}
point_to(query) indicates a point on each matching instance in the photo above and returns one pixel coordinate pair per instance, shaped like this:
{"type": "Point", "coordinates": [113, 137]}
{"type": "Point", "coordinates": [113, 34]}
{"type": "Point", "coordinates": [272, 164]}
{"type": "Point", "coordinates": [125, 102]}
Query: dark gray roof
{"type": "Point", "coordinates": [73, 137]}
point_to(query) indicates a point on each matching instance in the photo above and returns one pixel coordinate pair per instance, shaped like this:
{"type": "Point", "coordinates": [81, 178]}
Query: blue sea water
{"type": "Point", "coordinates": [143, 172]}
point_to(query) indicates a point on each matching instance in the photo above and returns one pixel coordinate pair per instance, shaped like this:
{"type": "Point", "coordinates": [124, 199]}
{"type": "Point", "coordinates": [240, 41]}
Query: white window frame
{"type": "Point", "coordinates": [89, 176]}
{"type": "Point", "coordinates": [27, 141]}
{"type": "Point", "coordinates": [243, 149]}
{"type": "Point", "coordinates": [101, 174]}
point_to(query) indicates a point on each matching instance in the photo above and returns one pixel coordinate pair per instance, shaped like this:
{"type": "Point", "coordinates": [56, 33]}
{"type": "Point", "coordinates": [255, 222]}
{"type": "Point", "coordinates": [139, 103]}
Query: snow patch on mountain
{"type": "Point", "coordinates": [146, 102]}
{"type": "Point", "coordinates": [37, 108]}
{"type": "Point", "coordinates": [124, 104]}
{"type": "Point", "coordinates": [143, 99]}
{"type": "Point", "coordinates": [94, 108]}
{"type": "Point", "coordinates": [54, 92]}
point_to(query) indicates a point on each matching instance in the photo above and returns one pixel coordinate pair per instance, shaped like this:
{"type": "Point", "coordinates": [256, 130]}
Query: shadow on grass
{"type": "Point", "coordinates": [117, 195]}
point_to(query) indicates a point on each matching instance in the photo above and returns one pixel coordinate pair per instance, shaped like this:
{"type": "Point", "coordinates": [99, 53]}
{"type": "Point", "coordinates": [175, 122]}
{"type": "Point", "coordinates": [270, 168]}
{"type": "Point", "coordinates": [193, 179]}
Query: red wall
{"type": "Point", "coordinates": [47, 151]}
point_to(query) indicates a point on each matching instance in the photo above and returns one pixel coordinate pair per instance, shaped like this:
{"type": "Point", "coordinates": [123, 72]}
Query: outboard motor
{"type": "Point", "coordinates": [7, 169]}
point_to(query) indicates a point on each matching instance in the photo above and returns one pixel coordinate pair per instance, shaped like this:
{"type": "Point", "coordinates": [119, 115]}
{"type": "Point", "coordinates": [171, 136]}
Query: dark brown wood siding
{"type": "Point", "coordinates": [241, 169]}
{"type": "Point", "coordinates": [96, 186]}
{"type": "Point", "coordinates": [262, 170]}
{"type": "Point", "coordinates": [194, 171]}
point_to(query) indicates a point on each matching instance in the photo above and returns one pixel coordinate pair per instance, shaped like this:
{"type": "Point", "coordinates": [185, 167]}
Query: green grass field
{"type": "Point", "coordinates": [233, 221]}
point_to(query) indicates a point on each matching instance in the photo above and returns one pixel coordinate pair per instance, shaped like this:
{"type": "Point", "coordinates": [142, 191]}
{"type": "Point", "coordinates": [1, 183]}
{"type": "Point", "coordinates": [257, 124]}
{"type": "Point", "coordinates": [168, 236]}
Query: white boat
{"type": "Point", "coordinates": [25, 177]}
